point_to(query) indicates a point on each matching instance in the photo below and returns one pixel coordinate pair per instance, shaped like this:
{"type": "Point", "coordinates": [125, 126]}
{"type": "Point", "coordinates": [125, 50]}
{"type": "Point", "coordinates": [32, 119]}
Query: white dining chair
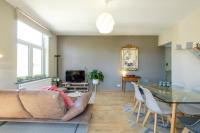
{"type": "Point", "coordinates": [140, 100]}
{"type": "Point", "coordinates": [191, 124]}
{"type": "Point", "coordinates": [134, 100]}
{"type": "Point", "coordinates": [154, 107]}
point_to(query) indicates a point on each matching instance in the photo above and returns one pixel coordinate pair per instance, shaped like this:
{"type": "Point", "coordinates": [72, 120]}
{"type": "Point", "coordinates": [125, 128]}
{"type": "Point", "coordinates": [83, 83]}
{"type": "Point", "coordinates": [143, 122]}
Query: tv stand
{"type": "Point", "coordinates": [75, 86]}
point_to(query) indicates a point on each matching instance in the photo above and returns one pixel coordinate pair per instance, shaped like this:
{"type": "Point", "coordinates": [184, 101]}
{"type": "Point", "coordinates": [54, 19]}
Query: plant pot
{"type": "Point", "coordinates": [95, 81]}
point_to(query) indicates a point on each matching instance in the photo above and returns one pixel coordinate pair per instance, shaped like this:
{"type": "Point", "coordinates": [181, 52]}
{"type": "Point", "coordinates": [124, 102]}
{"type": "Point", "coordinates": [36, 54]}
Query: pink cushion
{"type": "Point", "coordinates": [67, 100]}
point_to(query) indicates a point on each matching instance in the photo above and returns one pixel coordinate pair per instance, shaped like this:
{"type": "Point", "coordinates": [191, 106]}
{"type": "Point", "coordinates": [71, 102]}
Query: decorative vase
{"type": "Point", "coordinates": [95, 81]}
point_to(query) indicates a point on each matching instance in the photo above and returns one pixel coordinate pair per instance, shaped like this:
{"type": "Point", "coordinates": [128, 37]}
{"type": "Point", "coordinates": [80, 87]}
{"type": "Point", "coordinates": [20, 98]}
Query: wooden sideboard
{"type": "Point", "coordinates": [129, 78]}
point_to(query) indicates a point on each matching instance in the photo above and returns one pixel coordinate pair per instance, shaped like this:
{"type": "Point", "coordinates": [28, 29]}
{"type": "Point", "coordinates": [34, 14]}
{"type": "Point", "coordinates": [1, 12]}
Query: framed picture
{"type": "Point", "coordinates": [129, 58]}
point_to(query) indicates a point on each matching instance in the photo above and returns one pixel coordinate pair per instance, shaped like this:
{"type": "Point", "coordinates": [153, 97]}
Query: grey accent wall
{"type": "Point", "coordinates": [103, 52]}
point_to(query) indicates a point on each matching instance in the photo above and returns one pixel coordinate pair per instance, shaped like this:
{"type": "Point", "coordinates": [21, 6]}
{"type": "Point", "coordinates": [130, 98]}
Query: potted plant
{"type": "Point", "coordinates": [56, 81]}
{"type": "Point", "coordinates": [96, 76]}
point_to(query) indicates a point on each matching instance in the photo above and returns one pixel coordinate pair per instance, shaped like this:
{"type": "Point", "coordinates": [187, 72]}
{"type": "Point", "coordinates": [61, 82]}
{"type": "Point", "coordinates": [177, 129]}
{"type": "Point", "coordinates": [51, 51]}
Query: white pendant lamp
{"type": "Point", "coordinates": [105, 23]}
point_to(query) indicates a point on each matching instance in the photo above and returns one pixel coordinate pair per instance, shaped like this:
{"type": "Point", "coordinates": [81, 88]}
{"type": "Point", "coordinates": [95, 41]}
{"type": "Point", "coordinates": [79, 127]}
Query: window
{"type": "Point", "coordinates": [28, 34]}
{"type": "Point", "coordinates": [37, 61]}
{"type": "Point", "coordinates": [22, 60]}
{"type": "Point", "coordinates": [32, 51]}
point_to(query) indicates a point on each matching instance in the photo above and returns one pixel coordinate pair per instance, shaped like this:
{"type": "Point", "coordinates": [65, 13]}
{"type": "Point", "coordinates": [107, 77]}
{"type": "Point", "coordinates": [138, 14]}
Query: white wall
{"type": "Point", "coordinates": [185, 66]}
{"type": "Point", "coordinates": [8, 63]}
{"type": "Point", "coordinates": [8, 47]}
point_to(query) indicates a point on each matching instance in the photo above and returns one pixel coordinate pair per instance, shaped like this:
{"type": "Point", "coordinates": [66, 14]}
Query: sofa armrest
{"type": "Point", "coordinates": [78, 107]}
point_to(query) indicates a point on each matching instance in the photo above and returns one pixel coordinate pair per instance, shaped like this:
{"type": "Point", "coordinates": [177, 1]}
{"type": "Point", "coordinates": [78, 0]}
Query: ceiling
{"type": "Point", "coordinates": [132, 17]}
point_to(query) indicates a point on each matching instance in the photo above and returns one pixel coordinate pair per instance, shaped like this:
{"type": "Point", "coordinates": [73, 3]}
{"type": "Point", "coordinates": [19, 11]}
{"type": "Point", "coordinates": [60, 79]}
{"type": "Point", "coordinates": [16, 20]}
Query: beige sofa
{"type": "Point", "coordinates": [42, 106]}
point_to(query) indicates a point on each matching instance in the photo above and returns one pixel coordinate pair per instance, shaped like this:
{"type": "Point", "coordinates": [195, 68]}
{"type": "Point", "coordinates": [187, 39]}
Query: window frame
{"type": "Point", "coordinates": [31, 46]}
{"type": "Point", "coordinates": [42, 66]}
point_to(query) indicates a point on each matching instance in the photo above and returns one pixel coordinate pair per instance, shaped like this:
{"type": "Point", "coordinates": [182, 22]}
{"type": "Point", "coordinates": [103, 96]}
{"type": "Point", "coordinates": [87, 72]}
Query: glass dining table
{"type": "Point", "coordinates": [174, 96]}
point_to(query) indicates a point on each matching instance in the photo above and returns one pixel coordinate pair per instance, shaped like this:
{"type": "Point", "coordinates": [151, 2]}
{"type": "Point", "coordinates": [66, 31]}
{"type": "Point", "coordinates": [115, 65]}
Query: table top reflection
{"type": "Point", "coordinates": [173, 94]}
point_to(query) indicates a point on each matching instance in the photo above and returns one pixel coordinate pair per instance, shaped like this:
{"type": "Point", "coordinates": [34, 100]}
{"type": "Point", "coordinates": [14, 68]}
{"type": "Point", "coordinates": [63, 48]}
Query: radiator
{"type": "Point", "coordinates": [33, 85]}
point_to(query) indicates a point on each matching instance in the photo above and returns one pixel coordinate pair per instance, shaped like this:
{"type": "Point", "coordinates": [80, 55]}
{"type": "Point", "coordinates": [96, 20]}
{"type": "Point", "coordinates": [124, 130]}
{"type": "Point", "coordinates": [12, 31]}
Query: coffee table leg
{"type": "Point", "coordinates": [173, 119]}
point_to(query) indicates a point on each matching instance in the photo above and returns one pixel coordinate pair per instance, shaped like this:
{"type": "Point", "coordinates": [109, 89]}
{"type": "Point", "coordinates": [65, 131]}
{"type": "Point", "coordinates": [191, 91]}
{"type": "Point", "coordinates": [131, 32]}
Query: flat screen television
{"type": "Point", "coordinates": [77, 76]}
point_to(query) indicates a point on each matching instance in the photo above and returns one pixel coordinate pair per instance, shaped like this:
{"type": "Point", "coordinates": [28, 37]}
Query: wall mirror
{"type": "Point", "coordinates": [129, 58]}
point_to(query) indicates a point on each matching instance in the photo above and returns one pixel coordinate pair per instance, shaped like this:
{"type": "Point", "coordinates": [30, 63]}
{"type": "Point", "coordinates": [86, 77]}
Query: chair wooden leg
{"type": "Point", "coordinates": [134, 100]}
{"type": "Point", "coordinates": [146, 118]}
{"type": "Point", "coordinates": [185, 130]}
{"type": "Point", "coordinates": [155, 123]}
{"type": "Point", "coordinates": [138, 115]}
{"type": "Point", "coordinates": [135, 106]}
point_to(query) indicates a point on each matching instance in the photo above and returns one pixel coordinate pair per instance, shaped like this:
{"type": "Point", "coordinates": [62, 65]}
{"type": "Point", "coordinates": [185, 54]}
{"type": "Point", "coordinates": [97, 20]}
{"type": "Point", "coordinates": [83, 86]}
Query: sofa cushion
{"type": "Point", "coordinates": [43, 104]}
{"type": "Point", "coordinates": [10, 105]}
{"type": "Point", "coordinates": [67, 100]}
{"type": "Point", "coordinates": [78, 107]}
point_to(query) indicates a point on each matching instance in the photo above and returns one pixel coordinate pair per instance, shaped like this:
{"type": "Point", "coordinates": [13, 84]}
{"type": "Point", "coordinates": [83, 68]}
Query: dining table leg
{"type": "Point", "coordinates": [173, 118]}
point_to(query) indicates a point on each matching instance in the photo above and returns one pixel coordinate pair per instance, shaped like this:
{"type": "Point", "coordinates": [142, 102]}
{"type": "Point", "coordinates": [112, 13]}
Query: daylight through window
{"type": "Point", "coordinates": [32, 51]}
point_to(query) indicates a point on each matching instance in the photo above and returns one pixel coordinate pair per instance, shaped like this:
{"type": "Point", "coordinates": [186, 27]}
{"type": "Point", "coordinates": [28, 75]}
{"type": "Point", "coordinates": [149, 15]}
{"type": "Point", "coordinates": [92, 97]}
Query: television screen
{"type": "Point", "coordinates": [75, 76]}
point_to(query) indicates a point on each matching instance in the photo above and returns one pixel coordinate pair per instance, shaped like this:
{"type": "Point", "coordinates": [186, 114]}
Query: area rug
{"type": "Point", "coordinates": [162, 128]}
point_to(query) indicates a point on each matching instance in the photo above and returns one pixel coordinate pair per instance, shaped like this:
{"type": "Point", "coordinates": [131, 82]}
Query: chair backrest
{"type": "Point", "coordinates": [138, 94]}
{"type": "Point", "coordinates": [150, 101]}
{"type": "Point", "coordinates": [134, 84]}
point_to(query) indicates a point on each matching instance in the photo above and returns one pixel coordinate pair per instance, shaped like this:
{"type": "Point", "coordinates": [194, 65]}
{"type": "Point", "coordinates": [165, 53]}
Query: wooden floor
{"type": "Point", "coordinates": [108, 115]}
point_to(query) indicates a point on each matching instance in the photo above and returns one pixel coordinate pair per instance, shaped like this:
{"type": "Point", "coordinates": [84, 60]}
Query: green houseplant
{"type": "Point", "coordinates": [96, 76]}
